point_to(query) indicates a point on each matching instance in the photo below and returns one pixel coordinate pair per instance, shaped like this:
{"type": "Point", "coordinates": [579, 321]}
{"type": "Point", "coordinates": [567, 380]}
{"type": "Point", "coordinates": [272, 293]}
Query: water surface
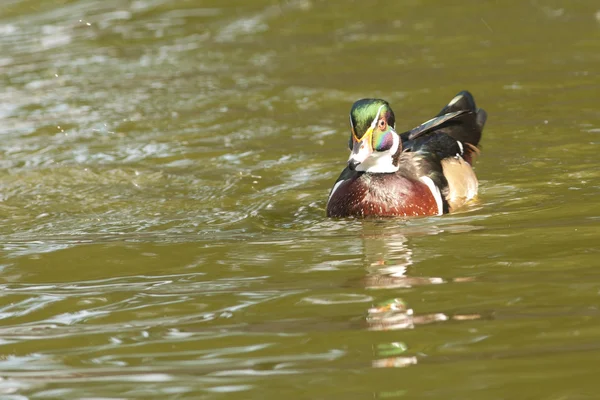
{"type": "Point", "coordinates": [165, 170]}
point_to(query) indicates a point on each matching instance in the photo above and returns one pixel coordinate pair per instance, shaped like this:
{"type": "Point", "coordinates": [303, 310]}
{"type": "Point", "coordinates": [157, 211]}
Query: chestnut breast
{"type": "Point", "coordinates": [381, 195]}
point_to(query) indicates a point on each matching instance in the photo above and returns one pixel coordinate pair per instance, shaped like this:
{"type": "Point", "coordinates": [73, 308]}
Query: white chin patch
{"type": "Point", "coordinates": [378, 163]}
{"type": "Point", "coordinates": [381, 161]}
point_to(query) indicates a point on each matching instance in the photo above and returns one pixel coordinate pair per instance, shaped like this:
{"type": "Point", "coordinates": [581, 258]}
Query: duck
{"type": "Point", "coordinates": [425, 171]}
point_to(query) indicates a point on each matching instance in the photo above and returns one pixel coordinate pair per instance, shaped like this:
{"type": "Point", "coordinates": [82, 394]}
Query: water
{"type": "Point", "coordinates": [165, 168]}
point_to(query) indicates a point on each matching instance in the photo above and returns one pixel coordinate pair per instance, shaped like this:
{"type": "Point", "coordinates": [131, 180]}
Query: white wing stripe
{"type": "Point", "coordinates": [337, 185]}
{"type": "Point", "coordinates": [435, 191]}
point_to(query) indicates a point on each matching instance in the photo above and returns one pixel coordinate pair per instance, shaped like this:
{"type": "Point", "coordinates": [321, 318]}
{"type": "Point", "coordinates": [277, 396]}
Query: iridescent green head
{"type": "Point", "coordinates": [365, 111]}
{"type": "Point", "coordinates": [373, 140]}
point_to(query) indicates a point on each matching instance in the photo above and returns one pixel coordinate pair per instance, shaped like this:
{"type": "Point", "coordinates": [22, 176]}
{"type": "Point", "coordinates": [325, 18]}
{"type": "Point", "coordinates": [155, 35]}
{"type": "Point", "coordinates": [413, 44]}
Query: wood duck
{"type": "Point", "coordinates": [424, 171]}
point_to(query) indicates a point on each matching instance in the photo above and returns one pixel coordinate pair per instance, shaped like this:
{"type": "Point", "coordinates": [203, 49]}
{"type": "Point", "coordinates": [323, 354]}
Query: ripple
{"type": "Point", "coordinates": [337, 299]}
{"type": "Point", "coordinates": [162, 203]}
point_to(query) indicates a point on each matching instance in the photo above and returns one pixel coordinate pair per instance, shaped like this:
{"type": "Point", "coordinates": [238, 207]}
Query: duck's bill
{"type": "Point", "coordinates": [361, 150]}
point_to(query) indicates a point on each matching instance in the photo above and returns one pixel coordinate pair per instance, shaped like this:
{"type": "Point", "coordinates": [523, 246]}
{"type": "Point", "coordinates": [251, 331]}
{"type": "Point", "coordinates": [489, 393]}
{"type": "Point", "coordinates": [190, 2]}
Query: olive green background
{"type": "Point", "coordinates": [165, 167]}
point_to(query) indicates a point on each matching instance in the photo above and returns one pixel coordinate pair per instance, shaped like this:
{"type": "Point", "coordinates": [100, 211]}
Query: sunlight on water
{"type": "Point", "coordinates": [166, 167]}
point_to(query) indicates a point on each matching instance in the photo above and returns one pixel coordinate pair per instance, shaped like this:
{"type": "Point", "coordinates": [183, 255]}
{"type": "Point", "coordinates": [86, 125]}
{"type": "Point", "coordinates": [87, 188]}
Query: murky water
{"type": "Point", "coordinates": [165, 168]}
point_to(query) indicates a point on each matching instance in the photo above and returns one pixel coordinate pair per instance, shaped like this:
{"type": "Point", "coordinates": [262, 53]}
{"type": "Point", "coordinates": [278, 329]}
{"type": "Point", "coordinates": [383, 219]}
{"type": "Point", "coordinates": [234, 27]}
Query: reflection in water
{"type": "Point", "coordinates": [394, 315]}
{"type": "Point", "coordinates": [165, 167]}
{"type": "Point", "coordinates": [388, 260]}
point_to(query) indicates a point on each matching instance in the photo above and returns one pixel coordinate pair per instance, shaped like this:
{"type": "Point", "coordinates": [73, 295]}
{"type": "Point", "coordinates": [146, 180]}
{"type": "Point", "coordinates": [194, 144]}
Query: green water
{"type": "Point", "coordinates": [165, 167]}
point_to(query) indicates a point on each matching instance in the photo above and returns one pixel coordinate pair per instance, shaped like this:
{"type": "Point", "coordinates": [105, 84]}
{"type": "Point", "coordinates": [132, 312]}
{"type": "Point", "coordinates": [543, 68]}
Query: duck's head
{"type": "Point", "coordinates": [374, 143]}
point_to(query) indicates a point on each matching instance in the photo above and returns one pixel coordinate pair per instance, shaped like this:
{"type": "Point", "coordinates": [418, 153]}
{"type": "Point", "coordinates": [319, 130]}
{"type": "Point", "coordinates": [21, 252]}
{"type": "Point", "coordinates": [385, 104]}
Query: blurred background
{"type": "Point", "coordinates": [165, 167]}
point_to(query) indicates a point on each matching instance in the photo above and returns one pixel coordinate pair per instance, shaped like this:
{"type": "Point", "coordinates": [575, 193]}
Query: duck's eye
{"type": "Point", "coordinates": [382, 124]}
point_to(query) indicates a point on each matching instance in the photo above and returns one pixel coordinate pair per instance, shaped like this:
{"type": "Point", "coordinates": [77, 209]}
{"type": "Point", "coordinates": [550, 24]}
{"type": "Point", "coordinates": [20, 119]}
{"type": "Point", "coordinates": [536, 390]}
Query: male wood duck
{"type": "Point", "coordinates": [424, 171]}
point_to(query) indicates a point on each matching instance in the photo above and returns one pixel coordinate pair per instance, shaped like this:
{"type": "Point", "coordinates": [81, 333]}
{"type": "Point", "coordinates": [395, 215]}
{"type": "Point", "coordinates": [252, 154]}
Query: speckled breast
{"type": "Point", "coordinates": [381, 195]}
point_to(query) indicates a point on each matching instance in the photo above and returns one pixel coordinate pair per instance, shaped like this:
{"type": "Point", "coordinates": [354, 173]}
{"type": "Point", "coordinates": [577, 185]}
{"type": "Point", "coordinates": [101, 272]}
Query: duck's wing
{"type": "Point", "coordinates": [435, 123]}
{"type": "Point", "coordinates": [460, 119]}
{"type": "Point", "coordinates": [455, 130]}
{"type": "Point", "coordinates": [444, 147]}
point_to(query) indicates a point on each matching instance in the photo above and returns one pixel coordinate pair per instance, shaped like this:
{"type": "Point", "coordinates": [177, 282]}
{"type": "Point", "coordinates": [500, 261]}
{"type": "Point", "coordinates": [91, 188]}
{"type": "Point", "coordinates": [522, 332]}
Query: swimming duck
{"type": "Point", "coordinates": [424, 171]}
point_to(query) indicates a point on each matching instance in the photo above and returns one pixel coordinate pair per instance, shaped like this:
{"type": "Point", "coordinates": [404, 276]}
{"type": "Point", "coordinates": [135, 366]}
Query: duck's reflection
{"type": "Point", "coordinates": [389, 261]}
{"type": "Point", "coordinates": [394, 315]}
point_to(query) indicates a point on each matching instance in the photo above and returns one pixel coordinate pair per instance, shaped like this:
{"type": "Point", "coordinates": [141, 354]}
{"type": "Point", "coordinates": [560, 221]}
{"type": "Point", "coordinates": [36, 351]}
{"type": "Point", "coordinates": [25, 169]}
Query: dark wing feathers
{"type": "Point", "coordinates": [460, 119]}
{"type": "Point", "coordinates": [435, 124]}
{"type": "Point", "coordinates": [438, 139]}
{"type": "Point", "coordinates": [463, 101]}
